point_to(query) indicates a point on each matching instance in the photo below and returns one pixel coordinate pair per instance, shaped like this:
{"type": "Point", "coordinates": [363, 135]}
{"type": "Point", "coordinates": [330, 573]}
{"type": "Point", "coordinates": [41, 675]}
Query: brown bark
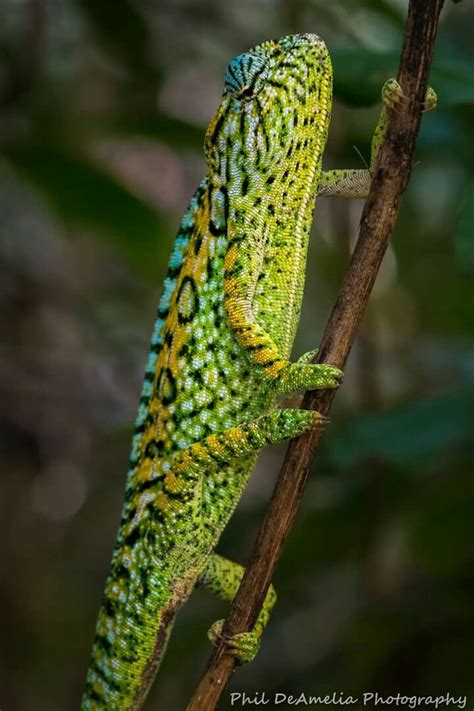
{"type": "Point", "coordinates": [389, 182]}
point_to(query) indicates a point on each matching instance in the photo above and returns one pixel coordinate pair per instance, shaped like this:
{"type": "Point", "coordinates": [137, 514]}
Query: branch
{"type": "Point", "coordinates": [391, 175]}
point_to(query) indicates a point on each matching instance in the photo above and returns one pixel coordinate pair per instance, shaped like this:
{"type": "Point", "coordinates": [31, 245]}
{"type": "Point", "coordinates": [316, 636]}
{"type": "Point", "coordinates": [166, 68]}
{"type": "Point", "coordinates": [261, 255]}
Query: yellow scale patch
{"type": "Point", "coordinates": [181, 305]}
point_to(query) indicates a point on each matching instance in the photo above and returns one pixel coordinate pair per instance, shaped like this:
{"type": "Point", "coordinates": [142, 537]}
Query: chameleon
{"type": "Point", "coordinates": [219, 363]}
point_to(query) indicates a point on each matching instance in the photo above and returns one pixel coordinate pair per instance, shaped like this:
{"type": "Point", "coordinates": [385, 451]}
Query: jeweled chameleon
{"type": "Point", "coordinates": [220, 356]}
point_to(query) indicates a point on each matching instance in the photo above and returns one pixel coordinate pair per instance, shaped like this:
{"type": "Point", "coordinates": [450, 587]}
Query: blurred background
{"type": "Point", "coordinates": [103, 112]}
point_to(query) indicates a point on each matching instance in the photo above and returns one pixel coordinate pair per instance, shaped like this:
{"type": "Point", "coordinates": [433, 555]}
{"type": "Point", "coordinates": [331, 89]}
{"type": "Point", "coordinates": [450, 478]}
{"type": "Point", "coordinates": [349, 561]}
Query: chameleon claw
{"type": "Point", "coordinates": [431, 100]}
{"type": "Point", "coordinates": [308, 356]}
{"type": "Point", "coordinates": [214, 633]}
{"type": "Point", "coordinates": [392, 95]}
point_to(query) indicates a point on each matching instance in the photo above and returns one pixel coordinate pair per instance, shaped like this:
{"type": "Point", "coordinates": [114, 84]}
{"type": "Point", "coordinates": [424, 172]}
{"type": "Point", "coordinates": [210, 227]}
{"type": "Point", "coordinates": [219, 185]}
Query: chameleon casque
{"type": "Point", "coordinates": [219, 357]}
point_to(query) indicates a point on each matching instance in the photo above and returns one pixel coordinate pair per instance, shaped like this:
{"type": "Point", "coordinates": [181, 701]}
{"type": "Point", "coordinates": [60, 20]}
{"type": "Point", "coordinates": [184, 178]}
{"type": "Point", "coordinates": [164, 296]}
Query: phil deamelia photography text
{"type": "Point", "coordinates": [368, 699]}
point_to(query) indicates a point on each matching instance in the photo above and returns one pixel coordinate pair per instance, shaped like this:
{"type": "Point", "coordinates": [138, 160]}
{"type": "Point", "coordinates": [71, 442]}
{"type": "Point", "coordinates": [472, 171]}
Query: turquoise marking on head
{"type": "Point", "coordinates": [246, 74]}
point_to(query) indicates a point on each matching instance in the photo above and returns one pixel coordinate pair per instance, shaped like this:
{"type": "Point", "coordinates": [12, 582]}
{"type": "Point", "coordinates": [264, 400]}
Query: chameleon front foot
{"type": "Point", "coordinates": [308, 356]}
{"type": "Point", "coordinates": [307, 376]}
{"type": "Point", "coordinates": [392, 95]}
{"type": "Point", "coordinates": [244, 646]}
{"type": "Point", "coordinates": [394, 98]}
{"type": "Point", "coordinates": [431, 99]}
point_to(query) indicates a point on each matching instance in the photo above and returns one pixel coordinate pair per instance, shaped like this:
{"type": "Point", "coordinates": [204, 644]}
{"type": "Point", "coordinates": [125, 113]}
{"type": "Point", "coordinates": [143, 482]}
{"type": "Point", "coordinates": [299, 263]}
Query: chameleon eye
{"type": "Point", "coordinates": [245, 76]}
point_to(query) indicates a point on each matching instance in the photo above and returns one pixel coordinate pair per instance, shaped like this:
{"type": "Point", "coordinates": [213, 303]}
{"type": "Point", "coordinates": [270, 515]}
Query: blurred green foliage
{"type": "Point", "coordinates": [103, 116]}
{"type": "Point", "coordinates": [80, 192]}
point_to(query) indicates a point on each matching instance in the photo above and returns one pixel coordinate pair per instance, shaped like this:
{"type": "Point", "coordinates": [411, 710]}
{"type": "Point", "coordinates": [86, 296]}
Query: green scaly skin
{"type": "Point", "coordinates": [219, 357]}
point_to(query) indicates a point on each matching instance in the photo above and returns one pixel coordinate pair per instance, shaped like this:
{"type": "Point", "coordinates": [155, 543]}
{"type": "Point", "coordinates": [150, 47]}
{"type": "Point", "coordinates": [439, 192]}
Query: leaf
{"type": "Point", "coordinates": [464, 235]}
{"type": "Point", "coordinates": [83, 194]}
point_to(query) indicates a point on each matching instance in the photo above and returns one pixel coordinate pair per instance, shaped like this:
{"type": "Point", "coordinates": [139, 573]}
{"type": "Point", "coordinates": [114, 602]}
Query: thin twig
{"type": "Point", "coordinates": [391, 175]}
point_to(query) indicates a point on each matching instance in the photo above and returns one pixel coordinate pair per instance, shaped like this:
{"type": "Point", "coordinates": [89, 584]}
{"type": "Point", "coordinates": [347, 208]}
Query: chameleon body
{"type": "Point", "coordinates": [219, 357]}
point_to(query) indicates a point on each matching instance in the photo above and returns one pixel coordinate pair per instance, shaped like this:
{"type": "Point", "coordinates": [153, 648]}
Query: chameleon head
{"type": "Point", "coordinates": [275, 107]}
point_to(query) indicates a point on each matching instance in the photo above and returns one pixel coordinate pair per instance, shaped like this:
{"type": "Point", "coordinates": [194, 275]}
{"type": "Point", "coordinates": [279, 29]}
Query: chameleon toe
{"type": "Point", "coordinates": [431, 100]}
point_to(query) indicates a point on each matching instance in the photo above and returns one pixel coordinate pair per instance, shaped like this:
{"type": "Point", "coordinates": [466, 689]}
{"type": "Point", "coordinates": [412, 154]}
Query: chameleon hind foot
{"type": "Point", "coordinates": [244, 646]}
{"type": "Point", "coordinates": [222, 577]}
